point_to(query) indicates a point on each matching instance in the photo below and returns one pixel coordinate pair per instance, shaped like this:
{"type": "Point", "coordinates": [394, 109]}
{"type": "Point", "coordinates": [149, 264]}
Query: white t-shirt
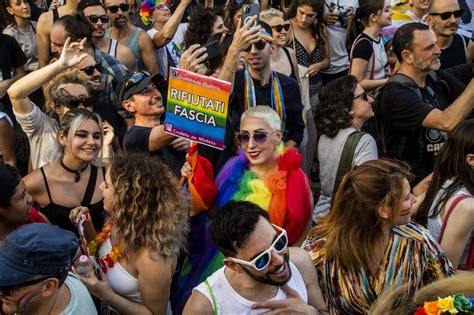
{"type": "Point", "coordinates": [81, 302]}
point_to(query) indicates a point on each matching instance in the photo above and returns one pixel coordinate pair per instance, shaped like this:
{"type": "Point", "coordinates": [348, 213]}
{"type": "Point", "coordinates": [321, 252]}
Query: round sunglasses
{"type": "Point", "coordinates": [123, 6]}
{"type": "Point", "coordinates": [95, 18]}
{"type": "Point", "coordinates": [447, 15]}
{"type": "Point", "coordinates": [263, 260]}
{"type": "Point", "coordinates": [280, 27]}
{"type": "Point", "coordinates": [259, 137]}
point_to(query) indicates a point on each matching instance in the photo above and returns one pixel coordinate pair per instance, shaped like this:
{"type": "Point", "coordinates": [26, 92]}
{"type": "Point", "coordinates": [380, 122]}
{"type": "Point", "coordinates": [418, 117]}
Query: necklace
{"type": "Point", "coordinates": [77, 173]}
{"type": "Point", "coordinates": [115, 253]}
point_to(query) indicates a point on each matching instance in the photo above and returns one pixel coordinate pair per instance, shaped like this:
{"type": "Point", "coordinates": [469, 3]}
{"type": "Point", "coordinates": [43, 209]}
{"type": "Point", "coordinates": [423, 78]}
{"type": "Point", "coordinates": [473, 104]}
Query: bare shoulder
{"type": "Point", "coordinates": [34, 183]}
{"type": "Point", "coordinates": [45, 20]}
{"type": "Point", "coordinates": [301, 259]}
{"type": "Point", "coordinates": [123, 49]}
{"type": "Point", "coordinates": [198, 304]}
{"type": "Point", "coordinates": [465, 210]}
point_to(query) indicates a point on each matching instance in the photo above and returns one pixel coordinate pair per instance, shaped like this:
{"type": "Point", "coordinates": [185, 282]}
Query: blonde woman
{"type": "Point", "coordinates": [138, 246]}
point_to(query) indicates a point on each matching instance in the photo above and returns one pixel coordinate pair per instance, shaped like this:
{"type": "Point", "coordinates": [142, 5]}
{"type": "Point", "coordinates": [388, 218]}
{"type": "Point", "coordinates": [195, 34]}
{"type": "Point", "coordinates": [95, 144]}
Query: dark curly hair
{"type": "Point", "coordinates": [200, 26]}
{"type": "Point", "coordinates": [230, 9]}
{"type": "Point", "coordinates": [317, 30]}
{"type": "Point", "coordinates": [332, 113]}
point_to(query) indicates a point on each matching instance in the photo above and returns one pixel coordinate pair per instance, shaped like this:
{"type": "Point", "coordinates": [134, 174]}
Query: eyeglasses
{"type": "Point", "coordinates": [123, 6]}
{"type": "Point", "coordinates": [363, 96]}
{"type": "Point", "coordinates": [280, 27]}
{"type": "Point", "coordinates": [447, 15]}
{"type": "Point", "coordinates": [259, 45]}
{"type": "Point", "coordinates": [162, 6]}
{"type": "Point", "coordinates": [95, 18]}
{"type": "Point", "coordinates": [263, 260]}
{"type": "Point", "coordinates": [90, 69]}
{"type": "Point", "coordinates": [259, 138]}
{"type": "Point", "coordinates": [7, 290]}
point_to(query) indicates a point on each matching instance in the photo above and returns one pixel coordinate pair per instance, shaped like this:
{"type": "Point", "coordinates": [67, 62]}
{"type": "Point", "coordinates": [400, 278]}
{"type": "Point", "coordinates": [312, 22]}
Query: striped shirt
{"type": "Point", "coordinates": [412, 257]}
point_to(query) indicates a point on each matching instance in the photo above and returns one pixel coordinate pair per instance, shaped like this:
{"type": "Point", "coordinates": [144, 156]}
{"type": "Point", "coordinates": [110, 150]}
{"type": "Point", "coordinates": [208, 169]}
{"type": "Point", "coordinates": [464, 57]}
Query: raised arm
{"type": "Point", "coordinates": [42, 38]}
{"type": "Point", "coordinates": [166, 34]}
{"type": "Point", "coordinates": [22, 88]}
{"type": "Point", "coordinates": [147, 52]}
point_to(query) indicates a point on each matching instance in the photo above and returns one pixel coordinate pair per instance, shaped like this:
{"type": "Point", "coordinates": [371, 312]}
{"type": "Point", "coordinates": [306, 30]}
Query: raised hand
{"type": "Point", "coordinates": [72, 53]}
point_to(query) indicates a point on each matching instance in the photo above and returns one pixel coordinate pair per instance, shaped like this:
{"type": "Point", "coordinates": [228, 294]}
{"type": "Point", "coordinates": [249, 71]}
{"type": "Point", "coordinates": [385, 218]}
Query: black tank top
{"type": "Point", "coordinates": [55, 14]}
{"type": "Point", "coordinates": [59, 215]}
{"type": "Point", "coordinates": [455, 54]}
{"type": "Point", "coordinates": [293, 73]}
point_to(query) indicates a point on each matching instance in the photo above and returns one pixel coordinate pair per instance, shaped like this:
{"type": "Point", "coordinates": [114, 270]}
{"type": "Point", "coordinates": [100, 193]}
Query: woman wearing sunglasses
{"type": "Point", "coordinates": [265, 174]}
{"type": "Point", "coordinates": [340, 115]}
{"type": "Point", "coordinates": [145, 231]}
{"type": "Point", "coordinates": [282, 59]}
{"type": "Point", "coordinates": [367, 245]}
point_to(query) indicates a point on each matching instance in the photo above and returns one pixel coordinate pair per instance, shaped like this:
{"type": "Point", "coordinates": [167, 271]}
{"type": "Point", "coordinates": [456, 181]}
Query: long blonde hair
{"type": "Point", "coordinates": [150, 209]}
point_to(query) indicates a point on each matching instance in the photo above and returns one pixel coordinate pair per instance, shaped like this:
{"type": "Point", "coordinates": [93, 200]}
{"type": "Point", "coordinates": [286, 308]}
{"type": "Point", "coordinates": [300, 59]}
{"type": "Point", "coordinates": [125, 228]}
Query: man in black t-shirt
{"type": "Point", "coordinates": [414, 127]}
{"type": "Point", "coordinates": [142, 94]}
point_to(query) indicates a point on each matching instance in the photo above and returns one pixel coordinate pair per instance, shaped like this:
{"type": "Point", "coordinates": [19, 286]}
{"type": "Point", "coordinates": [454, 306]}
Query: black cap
{"type": "Point", "coordinates": [136, 82]}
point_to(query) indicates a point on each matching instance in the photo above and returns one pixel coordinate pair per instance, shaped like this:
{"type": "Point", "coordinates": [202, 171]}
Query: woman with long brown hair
{"type": "Point", "coordinates": [448, 207]}
{"type": "Point", "coordinates": [367, 244]}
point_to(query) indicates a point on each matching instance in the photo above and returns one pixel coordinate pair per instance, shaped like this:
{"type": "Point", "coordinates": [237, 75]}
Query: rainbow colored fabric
{"type": "Point", "coordinates": [147, 7]}
{"type": "Point", "coordinates": [236, 182]}
{"type": "Point", "coordinates": [453, 304]}
{"type": "Point", "coordinates": [401, 15]}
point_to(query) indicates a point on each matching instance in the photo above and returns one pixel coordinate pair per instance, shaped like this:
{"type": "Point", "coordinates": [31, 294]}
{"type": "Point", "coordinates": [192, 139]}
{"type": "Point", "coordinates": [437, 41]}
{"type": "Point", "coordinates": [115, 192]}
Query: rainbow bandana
{"type": "Point", "coordinates": [266, 36]}
{"type": "Point", "coordinates": [147, 7]}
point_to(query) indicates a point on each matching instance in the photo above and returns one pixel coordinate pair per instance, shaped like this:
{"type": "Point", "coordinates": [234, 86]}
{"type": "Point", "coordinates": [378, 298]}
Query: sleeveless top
{"type": "Point", "coordinates": [113, 48]}
{"type": "Point", "coordinates": [222, 295]}
{"type": "Point", "coordinates": [434, 224]}
{"type": "Point", "coordinates": [59, 215]}
{"type": "Point", "coordinates": [455, 54]}
{"type": "Point", "coordinates": [293, 72]}
{"type": "Point", "coordinates": [306, 59]}
{"type": "Point", "coordinates": [133, 44]}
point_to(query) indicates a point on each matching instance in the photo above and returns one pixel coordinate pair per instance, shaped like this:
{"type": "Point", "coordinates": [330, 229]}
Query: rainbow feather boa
{"type": "Point", "coordinates": [236, 182]}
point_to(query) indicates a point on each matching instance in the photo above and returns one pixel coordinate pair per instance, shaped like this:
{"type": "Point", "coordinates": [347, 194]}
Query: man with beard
{"type": "Point", "coordinates": [93, 11]}
{"type": "Point", "coordinates": [443, 19]}
{"type": "Point", "coordinates": [417, 107]}
{"type": "Point", "coordinates": [256, 265]}
{"type": "Point", "coordinates": [130, 35]}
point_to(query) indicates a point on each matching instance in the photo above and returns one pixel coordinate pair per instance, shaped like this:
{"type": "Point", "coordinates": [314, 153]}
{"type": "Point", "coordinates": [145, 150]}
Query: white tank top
{"type": "Point", "coordinates": [228, 301]}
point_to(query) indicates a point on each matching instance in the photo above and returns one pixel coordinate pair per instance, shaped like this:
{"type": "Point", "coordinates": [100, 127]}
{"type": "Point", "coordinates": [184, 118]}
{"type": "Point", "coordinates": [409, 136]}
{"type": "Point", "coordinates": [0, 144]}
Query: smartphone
{"type": "Point", "coordinates": [249, 10]}
{"type": "Point", "coordinates": [212, 49]}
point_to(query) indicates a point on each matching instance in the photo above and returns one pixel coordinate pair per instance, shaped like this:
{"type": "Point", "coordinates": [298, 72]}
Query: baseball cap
{"type": "Point", "coordinates": [36, 249]}
{"type": "Point", "coordinates": [136, 82]}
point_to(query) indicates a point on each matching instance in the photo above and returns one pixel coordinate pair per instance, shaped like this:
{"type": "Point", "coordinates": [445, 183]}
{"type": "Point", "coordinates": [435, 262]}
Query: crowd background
{"type": "Point", "coordinates": [347, 167]}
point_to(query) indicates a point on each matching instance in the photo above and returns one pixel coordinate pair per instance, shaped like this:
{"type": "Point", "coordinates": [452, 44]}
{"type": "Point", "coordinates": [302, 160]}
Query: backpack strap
{"type": "Point", "coordinates": [470, 258]}
{"type": "Point", "coordinates": [358, 40]}
{"type": "Point", "coordinates": [347, 156]}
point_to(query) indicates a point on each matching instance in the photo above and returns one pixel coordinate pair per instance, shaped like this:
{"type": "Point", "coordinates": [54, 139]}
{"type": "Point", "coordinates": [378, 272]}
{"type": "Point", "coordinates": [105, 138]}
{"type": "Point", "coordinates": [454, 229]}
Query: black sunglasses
{"type": "Point", "coordinates": [90, 69]}
{"type": "Point", "coordinates": [95, 18]}
{"type": "Point", "coordinates": [363, 96]}
{"type": "Point", "coordinates": [7, 290]}
{"type": "Point", "coordinates": [259, 45]}
{"type": "Point", "coordinates": [447, 15]}
{"type": "Point", "coordinates": [123, 6]}
{"type": "Point", "coordinates": [280, 27]}
{"type": "Point", "coordinates": [259, 137]}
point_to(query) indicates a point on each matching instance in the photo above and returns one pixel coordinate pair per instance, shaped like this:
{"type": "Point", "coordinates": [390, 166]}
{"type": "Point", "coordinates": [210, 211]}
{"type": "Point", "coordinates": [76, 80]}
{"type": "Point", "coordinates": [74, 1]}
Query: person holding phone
{"type": "Point", "coordinates": [145, 231]}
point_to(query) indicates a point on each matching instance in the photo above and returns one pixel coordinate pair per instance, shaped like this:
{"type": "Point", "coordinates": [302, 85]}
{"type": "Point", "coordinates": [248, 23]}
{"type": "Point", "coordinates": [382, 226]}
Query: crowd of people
{"type": "Point", "coordinates": [345, 184]}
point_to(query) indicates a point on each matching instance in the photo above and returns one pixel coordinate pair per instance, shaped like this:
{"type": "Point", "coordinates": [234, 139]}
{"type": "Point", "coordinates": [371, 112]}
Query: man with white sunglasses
{"type": "Point", "coordinates": [257, 266]}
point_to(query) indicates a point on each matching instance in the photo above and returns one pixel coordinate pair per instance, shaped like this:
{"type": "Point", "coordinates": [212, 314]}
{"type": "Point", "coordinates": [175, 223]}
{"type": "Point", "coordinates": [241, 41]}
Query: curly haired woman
{"type": "Point", "coordinates": [337, 117]}
{"type": "Point", "coordinates": [203, 23]}
{"type": "Point", "coordinates": [140, 242]}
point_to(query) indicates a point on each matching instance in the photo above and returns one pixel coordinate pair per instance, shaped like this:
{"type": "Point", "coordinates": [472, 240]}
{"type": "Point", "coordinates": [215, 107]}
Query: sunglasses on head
{"type": "Point", "coordinates": [447, 15]}
{"type": "Point", "coordinates": [259, 45]}
{"type": "Point", "coordinates": [280, 27]}
{"type": "Point", "coordinates": [7, 290]}
{"type": "Point", "coordinates": [90, 69]}
{"type": "Point", "coordinates": [136, 78]}
{"type": "Point", "coordinates": [363, 96]}
{"type": "Point", "coordinates": [263, 260]}
{"type": "Point", "coordinates": [123, 6]}
{"type": "Point", "coordinates": [259, 138]}
{"type": "Point", "coordinates": [95, 18]}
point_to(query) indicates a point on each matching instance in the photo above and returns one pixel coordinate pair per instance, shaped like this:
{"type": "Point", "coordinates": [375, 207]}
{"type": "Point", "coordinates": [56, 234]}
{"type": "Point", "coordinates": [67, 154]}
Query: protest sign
{"type": "Point", "coordinates": [197, 107]}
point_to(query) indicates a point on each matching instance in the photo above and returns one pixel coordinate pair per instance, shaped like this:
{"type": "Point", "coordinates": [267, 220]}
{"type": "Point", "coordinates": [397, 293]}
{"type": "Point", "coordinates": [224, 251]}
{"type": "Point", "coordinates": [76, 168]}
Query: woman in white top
{"type": "Point", "coordinates": [368, 59]}
{"type": "Point", "coordinates": [337, 117]}
{"type": "Point", "coordinates": [449, 204]}
{"type": "Point", "coordinates": [139, 245]}
{"type": "Point", "coordinates": [17, 13]}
